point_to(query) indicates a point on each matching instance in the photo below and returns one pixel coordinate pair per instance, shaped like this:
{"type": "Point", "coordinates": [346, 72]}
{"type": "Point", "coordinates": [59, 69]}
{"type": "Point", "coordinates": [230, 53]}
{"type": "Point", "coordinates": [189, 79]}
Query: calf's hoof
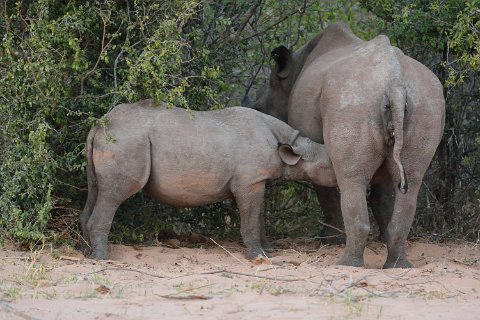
{"type": "Point", "coordinates": [99, 255]}
{"type": "Point", "coordinates": [397, 263]}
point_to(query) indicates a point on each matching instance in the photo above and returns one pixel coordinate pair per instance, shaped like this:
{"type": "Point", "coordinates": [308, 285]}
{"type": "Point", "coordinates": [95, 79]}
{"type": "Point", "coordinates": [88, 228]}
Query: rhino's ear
{"type": "Point", "coordinates": [283, 58]}
{"type": "Point", "coordinates": [287, 154]}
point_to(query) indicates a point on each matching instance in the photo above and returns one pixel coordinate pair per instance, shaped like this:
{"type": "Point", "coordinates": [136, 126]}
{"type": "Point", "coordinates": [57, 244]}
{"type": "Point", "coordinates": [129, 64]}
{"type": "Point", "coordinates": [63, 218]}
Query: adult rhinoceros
{"type": "Point", "coordinates": [380, 114]}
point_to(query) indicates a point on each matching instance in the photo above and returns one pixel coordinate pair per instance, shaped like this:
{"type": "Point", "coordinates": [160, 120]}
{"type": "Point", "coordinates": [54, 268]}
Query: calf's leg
{"type": "Point", "coordinates": [110, 196]}
{"type": "Point", "coordinates": [250, 202]}
{"type": "Point", "coordinates": [99, 224]}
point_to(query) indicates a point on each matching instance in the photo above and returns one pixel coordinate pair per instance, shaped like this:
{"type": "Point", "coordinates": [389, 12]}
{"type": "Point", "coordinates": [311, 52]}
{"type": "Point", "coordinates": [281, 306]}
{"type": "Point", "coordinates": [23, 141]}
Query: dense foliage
{"type": "Point", "coordinates": [63, 64]}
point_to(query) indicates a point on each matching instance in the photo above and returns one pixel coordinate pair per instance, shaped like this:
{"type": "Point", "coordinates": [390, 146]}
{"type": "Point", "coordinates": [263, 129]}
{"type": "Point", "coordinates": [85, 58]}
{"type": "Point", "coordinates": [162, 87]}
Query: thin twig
{"type": "Point", "coordinates": [185, 290]}
{"type": "Point", "coordinates": [254, 77]}
{"type": "Point", "coordinates": [273, 25]}
{"type": "Point", "coordinates": [132, 270]}
{"type": "Point", "coordinates": [355, 283]}
{"type": "Point", "coordinates": [246, 20]}
{"type": "Point", "coordinates": [198, 274]}
{"type": "Point", "coordinates": [331, 226]}
{"type": "Point", "coordinates": [270, 278]}
{"type": "Point", "coordinates": [228, 252]}
{"type": "Point", "coordinates": [246, 275]}
{"type": "Point", "coordinates": [206, 273]}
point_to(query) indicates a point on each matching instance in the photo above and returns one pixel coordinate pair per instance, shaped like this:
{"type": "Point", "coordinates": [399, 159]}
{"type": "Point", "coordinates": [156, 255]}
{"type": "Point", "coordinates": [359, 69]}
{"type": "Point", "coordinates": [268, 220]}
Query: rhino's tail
{"type": "Point", "coordinates": [394, 116]}
{"type": "Point", "coordinates": [92, 184]}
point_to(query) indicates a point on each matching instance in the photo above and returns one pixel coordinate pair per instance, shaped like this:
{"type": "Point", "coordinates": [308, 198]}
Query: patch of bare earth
{"type": "Point", "coordinates": [159, 282]}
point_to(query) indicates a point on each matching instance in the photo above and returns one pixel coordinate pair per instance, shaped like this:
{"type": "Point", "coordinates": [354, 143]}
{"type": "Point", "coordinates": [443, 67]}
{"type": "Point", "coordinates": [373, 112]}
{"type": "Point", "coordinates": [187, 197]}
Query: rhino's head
{"type": "Point", "coordinates": [273, 98]}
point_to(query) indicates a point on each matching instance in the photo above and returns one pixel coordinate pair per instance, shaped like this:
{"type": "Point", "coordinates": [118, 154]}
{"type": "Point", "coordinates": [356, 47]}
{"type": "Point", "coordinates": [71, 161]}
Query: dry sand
{"type": "Point", "coordinates": [158, 282]}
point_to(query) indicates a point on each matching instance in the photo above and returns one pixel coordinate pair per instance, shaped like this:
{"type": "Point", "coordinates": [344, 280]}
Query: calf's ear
{"type": "Point", "coordinates": [287, 154]}
{"type": "Point", "coordinates": [283, 58]}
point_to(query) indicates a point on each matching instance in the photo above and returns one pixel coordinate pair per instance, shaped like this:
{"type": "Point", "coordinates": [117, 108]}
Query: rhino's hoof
{"type": "Point", "coordinates": [351, 262]}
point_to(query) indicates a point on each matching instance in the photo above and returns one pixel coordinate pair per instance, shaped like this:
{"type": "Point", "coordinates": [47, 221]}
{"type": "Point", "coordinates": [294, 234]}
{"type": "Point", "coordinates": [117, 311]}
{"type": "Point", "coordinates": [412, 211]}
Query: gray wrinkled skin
{"type": "Point", "coordinates": [186, 158]}
{"type": "Point", "coordinates": [379, 114]}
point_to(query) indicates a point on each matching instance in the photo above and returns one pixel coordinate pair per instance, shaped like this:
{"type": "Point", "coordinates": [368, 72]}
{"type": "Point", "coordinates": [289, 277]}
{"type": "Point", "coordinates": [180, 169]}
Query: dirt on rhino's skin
{"type": "Point", "coordinates": [301, 281]}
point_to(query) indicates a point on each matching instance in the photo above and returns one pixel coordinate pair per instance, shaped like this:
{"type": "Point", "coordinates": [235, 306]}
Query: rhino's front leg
{"type": "Point", "coordinates": [250, 201]}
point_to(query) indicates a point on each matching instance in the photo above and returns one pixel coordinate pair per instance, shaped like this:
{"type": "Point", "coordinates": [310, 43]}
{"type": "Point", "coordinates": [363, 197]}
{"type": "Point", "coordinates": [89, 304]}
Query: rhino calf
{"type": "Point", "coordinates": [186, 158]}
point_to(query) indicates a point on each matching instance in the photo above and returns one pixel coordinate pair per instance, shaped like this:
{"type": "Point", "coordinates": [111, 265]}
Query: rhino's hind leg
{"type": "Point", "coordinates": [355, 215]}
{"type": "Point", "coordinates": [250, 205]}
{"type": "Point", "coordinates": [399, 227]}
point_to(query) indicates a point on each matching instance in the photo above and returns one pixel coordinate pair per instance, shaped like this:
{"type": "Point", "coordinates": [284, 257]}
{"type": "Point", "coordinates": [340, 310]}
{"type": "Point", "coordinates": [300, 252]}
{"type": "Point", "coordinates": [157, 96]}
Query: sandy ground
{"type": "Point", "coordinates": [211, 282]}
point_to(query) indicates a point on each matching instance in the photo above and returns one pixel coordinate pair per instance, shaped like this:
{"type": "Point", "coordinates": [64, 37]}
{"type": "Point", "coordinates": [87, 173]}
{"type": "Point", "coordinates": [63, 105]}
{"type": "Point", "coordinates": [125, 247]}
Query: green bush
{"type": "Point", "coordinates": [62, 66]}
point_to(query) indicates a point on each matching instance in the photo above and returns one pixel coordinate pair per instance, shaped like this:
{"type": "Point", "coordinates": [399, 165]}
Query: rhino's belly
{"type": "Point", "coordinates": [188, 190]}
